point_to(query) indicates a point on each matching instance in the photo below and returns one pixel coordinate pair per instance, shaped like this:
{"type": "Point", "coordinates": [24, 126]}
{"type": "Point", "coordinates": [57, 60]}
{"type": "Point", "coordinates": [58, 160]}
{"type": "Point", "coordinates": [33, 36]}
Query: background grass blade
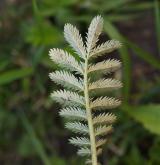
{"type": "Point", "coordinates": [34, 139]}
{"type": "Point", "coordinates": [140, 6]}
{"type": "Point", "coordinates": [12, 75]}
{"type": "Point", "coordinates": [110, 5]}
{"type": "Point", "coordinates": [144, 55]}
{"type": "Point", "coordinates": [121, 17]}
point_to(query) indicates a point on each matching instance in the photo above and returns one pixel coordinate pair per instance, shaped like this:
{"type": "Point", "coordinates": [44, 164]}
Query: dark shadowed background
{"type": "Point", "coordinates": [31, 131]}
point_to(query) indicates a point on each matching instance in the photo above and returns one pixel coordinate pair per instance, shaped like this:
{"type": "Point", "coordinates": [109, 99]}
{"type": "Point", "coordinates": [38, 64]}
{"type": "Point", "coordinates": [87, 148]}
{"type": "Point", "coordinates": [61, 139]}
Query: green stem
{"type": "Point", "coordinates": [89, 115]}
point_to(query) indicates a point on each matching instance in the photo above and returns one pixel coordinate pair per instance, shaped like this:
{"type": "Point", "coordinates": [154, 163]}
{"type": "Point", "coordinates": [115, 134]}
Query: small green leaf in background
{"type": "Point", "coordinates": [147, 115]}
{"type": "Point", "coordinates": [58, 161]}
{"type": "Point", "coordinates": [43, 34]}
{"type": "Point", "coordinates": [15, 74]}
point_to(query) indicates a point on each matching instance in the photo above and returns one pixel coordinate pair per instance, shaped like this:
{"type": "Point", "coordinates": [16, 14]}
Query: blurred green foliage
{"type": "Point", "coordinates": [30, 128]}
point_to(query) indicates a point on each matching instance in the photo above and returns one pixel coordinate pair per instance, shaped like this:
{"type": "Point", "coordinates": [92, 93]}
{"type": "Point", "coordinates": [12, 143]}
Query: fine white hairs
{"type": "Point", "coordinates": [88, 116]}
